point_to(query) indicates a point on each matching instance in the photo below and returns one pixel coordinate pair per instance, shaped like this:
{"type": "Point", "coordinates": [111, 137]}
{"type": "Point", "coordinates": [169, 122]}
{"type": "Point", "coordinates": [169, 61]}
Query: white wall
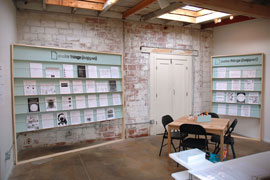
{"type": "Point", "coordinates": [241, 38]}
{"type": "Point", "coordinates": [7, 37]}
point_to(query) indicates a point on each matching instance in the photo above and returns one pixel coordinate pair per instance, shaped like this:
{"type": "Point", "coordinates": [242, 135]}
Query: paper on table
{"type": "Point", "coordinates": [234, 74]}
{"type": "Point", "coordinates": [220, 96]}
{"type": "Point", "coordinates": [221, 85]}
{"type": "Point", "coordinates": [88, 116]}
{"type": "Point", "coordinates": [36, 70]}
{"type": "Point", "coordinates": [67, 102]}
{"type": "Point", "coordinates": [77, 86]}
{"type": "Point", "coordinates": [249, 73]}
{"type": "Point", "coordinates": [67, 71]}
{"type": "Point", "coordinates": [110, 113]}
{"type": "Point", "coordinates": [30, 87]}
{"type": "Point", "coordinates": [103, 100]}
{"type": "Point", "coordinates": [236, 84]}
{"type": "Point", "coordinates": [232, 110]}
{"type": "Point", "coordinates": [230, 97]}
{"type": "Point", "coordinates": [90, 86]}
{"type": "Point", "coordinates": [221, 72]}
{"type": "Point", "coordinates": [104, 73]}
{"type": "Point", "coordinates": [62, 119]}
{"type": "Point", "coordinates": [92, 101]}
{"type": "Point", "coordinates": [32, 122]}
{"type": "Point", "coordinates": [48, 88]}
{"type": "Point", "coordinates": [249, 85]}
{"type": "Point", "coordinates": [245, 110]}
{"type": "Point", "coordinates": [115, 72]}
{"type": "Point", "coordinates": [80, 102]}
{"type": "Point", "coordinates": [51, 103]}
{"type": "Point", "coordinates": [64, 87]}
{"type": "Point", "coordinates": [52, 72]}
{"type": "Point", "coordinates": [221, 109]}
{"type": "Point", "coordinates": [101, 114]}
{"type": "Point", "coordinates": [253, 98]}
{"type": "Point", "coordinates": [116, 99]}
{"type": "Point", "coordinates": [47, 120]}
{"type": "Point", "coordinates": [102, 86]}
{"type": "Point", "coordinates": [75, 117]}
{"type": "Point", "coordinates": [92, 71]}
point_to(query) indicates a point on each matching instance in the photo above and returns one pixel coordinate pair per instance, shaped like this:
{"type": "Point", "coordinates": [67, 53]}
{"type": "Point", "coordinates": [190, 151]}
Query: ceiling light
{"type": "Point", "coordinates": [163, 3]}
{"type": "Point", "coordinates": [219, 20]}
{"type": "Point", "coordinates": [212, 16]}
{"type": "Point", "coordinates": [231, 17]}
{"type": "Point", "coordinates": [191, 8]}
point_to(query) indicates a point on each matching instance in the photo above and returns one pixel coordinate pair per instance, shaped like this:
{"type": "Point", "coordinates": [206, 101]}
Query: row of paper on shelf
{"type": "Point", "coordinates": [234, 73]}
{"type": "Point", "coordinates": [30, 87]}
{"type": "Point", "coordinates": [67, 102]}
{"type": "Point", "coordinates": [233, 110]}
{"type": "Point", "coordinates": [237, 97]}
{"type": "Point", "coordinates": [47, 119]}
{"type": "Point", "coordinates": [36, 71]}
{"type": "Point", "coordinates": [235, 85]}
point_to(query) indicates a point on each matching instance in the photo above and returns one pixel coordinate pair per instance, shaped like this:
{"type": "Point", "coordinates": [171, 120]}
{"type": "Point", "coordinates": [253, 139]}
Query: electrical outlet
{"type": "Point", "coordinates": [152, 121]}
{"type": "Point", "coordinates": [7, 156]}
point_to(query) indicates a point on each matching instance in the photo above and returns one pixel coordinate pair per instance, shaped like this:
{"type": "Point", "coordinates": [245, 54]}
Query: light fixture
{"type": "Point", "coordinates": [219, 20]}
{"type": "Point", "coordinates": [191, 8]}
{"type": "Point", "coordinates": [163, 3]}
{"type": "Point", "coordinates": [231, 17]}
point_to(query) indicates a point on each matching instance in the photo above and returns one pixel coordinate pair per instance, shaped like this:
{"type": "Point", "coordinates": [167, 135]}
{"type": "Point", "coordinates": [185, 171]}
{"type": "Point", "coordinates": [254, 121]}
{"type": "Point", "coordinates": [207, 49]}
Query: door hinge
{"type": "Point", "coordinates": [156, 95]}
{"type": "Point", "coordinates": [186, 68]}
{"type": "Point", "coordinates": [156, 67]}
{"type": "Point", "coordinates": [186, 93]}
{"type": "Point", "coordinates": [171, 61]}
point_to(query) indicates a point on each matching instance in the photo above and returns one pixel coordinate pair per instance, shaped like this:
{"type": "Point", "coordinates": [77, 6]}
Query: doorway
{"type": "Point", "coordinates": [171, 87]}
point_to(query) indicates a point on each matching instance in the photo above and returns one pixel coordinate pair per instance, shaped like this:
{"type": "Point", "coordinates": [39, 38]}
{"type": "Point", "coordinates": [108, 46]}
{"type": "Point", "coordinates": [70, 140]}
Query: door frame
{"type": "Point", "coordinates": [153, 84]}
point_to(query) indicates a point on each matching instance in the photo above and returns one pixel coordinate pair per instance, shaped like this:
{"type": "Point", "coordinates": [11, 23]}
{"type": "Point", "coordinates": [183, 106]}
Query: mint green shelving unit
{"type": "Point", "coordinates": [237, 86]}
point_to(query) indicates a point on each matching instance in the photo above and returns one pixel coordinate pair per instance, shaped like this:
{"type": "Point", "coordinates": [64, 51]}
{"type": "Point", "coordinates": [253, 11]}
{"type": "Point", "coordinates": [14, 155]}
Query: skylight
{"type": "Point", "coordinates": [191, 8]}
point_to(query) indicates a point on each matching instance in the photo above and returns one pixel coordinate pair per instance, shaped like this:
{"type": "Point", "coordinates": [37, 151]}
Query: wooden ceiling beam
{"type": "Point", "coordinates": [175, 17]}
{"type": "Point", "coordinates": [137, 7]}
{"type": "Point", "coordinates": [77, 4]}
{"type": "Point", "coordinates": [160, 12]}
{"type": "Point", "coordinates": [227, 21]}
{"type": "Point", "coordinates": [185, 12]}
{"type": "Point", "coordinates": [96, 1]}
{"type": "Point", "coordinates": [233, 7]}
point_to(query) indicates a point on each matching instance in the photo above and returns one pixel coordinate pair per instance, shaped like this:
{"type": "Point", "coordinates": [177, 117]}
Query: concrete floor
{"type": "Point", "coordinates": [126, 160]}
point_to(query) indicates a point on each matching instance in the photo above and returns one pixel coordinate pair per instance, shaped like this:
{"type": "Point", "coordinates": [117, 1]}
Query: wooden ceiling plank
{"type": "Point", "coordinates": [178, 18]}
{"type": "Point", "coordinates": [185, 12]}
{"type": "Point", "coordinates": [76, 4]}
{"type": "Point", "coordinates": [97, 1]}
{"type": "Point", "coordinates": [233, 7]}
{"type": "Point", "coordinates": [137, 7]}
{"type": "Point", "coordinates": [160, 12]}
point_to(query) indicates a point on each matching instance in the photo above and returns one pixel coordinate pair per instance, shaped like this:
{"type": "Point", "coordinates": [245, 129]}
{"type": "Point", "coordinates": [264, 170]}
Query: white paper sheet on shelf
{"type": "Point", "coordinates": [92, 101]}
{"type": "Point", "coordinates": [64, 87]}
{"type": "Point", "coordinates": [234, 73]}
{"type": "Point", "coordinates": [52, 72]}
{"type": "Point", "coordinates": [80, 102]}
{"type": "Point", "coordinates": [30, 87]}
{"type": "Point", "coordinates": [36, 70]}
{"type": "Point", "coordinates": [115, 73]}
{"type": "Point", "coordinates": [221, 85]}
{"type": "Point", "coordinates": [90, 86]}
{"type": "Point", "coordinates": [116, 99]}
{"type": "Point", "coordinates": [67, 102]}
{"type": "Point", "coordinates": [62, 119]}
{"type": "Point", "coordinates": [47, 120]}
{"type": "Point", "coordinates": [231, 97]}
{"type": "Point", "coordinates": [101, 114]}
{"type": "Point", "coordinates": [221, 72]}
{"type": "Point", "coordinates": [249, 73]}
{"type": "Point", "coordinates": [88, 116]}
{"type": "Point", "coordinates": [102, 86]}
{"type": "Point", "coordinates": [67, 71]}
{"type": "Point", "coordinates": [103, 100]}
{"type": "Point", "coordinates": [47, 88]}
{"type": "Point", "coordinates": [236, 84]}
{"type": "Point", "coordinates": [77, 86]}
{"type": "Point", "coordinates": [110, 113]}
{"type": "Point", "coordinates": [92, 71]}
{"type": "Point", "coordinates": [232, 110]}
{"type": "Point", "coordinates": [249, 85]}
{"type": "Point", "coordinates": [32, 122]}
{"type": "Point", "coordinates": [51, 103]}
{"type": "Point", "coordinates": [245, 110]}
{"type": "Point", "coordinates": [104, 73]}
{"type": "Point", "coordinates": [221, 109]}
{"type": "Point", "coordinates": [253, 98]}
{"type": "Point", "coordinates": [220, 96]}
{"type": "Point", "coordinates": [75, 117]}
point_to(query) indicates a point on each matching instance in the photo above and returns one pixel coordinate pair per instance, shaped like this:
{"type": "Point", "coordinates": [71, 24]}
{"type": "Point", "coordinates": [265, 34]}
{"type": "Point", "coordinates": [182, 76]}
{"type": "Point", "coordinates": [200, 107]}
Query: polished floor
{"type": "Point", "coordinates": [132, 159]}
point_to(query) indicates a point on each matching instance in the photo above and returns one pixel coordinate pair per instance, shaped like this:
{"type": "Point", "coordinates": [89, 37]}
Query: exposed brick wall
{"type": "Point", "coordinates": [100, 34]}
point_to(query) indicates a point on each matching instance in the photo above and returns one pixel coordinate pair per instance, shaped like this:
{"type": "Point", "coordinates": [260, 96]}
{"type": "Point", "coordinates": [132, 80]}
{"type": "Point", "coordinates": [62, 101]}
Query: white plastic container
{"type": "Point", "coordinates": [191, 156]}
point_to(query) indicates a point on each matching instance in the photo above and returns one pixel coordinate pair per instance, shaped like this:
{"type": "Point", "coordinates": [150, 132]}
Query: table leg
{"type": "Point", "coordinates": [227, 146]}
{"type": "Point", "coordinates": [221, 152]}
{"type": "Point", "coordinates": [169, 141]}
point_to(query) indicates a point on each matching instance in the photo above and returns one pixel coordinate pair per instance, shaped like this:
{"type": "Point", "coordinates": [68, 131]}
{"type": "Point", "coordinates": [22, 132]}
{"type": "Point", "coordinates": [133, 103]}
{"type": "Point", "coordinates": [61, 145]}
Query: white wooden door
{"type": "Point", "coordinates": [170, 87]}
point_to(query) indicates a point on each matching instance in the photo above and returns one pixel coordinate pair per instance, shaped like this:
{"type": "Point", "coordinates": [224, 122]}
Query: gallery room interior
{"type": "Point", "coordinates": [141, 89]}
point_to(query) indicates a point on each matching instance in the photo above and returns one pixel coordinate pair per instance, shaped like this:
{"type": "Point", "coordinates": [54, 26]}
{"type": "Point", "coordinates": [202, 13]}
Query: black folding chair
{"type": "Point", "coordinates": [174, 135]}
{"type": "Point", "coordinates": [228, 139]}
{"type": "Point", "coordinates": [197, 142]}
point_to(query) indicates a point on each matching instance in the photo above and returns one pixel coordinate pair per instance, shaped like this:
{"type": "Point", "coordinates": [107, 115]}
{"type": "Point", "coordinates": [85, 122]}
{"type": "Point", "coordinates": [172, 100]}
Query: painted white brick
{"type": "Point", "coordinates": [47, 23]}
{"type": "Point", "coordinates": [30, 36]}
{"type": "Point", "coordinates": [33, 22]}
{"type": "Point", "coordinates": [35, 29]}
{"type": "Point", "coordinates": [51, 30]}
{"type": "Point", "coordinates": [61, 24]}
{"type": "Point", "coordinates": [65, 31]}
{"type": "Point", "coordinates": [75, 26]}
{"type": "Point", "coordinates": [72, 38]}
{"type": "Point", "coordinates": [44, 37]}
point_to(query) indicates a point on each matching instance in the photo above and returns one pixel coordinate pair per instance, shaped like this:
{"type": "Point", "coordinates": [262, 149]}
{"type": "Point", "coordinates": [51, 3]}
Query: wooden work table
{"type": "Point", "coordinates": [216, 126]}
